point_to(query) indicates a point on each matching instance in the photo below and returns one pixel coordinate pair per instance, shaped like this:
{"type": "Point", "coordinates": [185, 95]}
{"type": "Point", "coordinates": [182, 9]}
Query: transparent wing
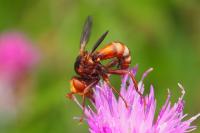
{"type": "Point", "coordinates": [99, 41]}
{"type": "Point", "coordinates": [85, 33]}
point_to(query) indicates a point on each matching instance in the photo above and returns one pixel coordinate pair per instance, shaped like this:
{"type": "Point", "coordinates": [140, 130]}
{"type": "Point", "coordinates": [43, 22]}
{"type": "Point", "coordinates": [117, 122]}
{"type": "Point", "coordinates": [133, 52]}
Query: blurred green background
{"type": "Point", "coordinates": [164, 35]}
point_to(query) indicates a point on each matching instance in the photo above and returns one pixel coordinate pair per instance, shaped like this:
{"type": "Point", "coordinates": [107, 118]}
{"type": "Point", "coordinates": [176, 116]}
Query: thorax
{"type": "Point", "coordinates": [87, 67]}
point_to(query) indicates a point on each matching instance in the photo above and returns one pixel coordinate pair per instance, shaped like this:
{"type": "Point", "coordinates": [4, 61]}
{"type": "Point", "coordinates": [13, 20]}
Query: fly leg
{"type": "Point", "coordinates": [70, 95]}
{"type": "Point", "coordinates": [109, 84]}
{"type": "Point", "coordinates": [113, 63]}
{"type": "Point", "coordinates": [124, 72]}
{"type": "Point", "coordinates": [84, 94]}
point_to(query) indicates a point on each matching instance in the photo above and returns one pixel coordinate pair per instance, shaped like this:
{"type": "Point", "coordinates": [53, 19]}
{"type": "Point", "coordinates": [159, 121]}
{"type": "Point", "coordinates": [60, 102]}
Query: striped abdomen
{"type": "Point", "coordinates": [118, 50]}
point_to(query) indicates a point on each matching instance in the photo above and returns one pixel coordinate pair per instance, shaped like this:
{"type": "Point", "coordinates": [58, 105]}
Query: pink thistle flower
{"type": "Point", "coordinates": [16, 55]}
{"type": "Point", "coordinates": [111, 116]}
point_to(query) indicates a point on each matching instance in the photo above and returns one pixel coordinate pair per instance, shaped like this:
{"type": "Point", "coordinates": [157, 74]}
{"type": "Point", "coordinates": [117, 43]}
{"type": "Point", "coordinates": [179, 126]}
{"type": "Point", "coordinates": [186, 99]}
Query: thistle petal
{"type": "Point", "coordinates": [111, 116]}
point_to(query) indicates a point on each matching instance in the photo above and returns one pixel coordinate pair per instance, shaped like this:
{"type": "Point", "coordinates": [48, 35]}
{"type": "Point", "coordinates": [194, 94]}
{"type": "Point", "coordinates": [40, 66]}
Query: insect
{"type": "Point", "coordinates": [90, 70]}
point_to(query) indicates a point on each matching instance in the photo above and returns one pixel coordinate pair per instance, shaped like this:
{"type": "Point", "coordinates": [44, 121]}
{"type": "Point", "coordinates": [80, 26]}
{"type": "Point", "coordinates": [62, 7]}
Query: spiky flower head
{"type": "Point", "coordinates": [111, 116]}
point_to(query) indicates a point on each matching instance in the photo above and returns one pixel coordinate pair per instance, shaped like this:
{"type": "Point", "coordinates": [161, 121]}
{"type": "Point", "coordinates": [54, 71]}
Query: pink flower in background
{"type": "Point", "coordinates": [17, 58]}
{"type": "Point", "coordinates": [17, 55]}
{"type": "Point", "coordinates": [111, 116]}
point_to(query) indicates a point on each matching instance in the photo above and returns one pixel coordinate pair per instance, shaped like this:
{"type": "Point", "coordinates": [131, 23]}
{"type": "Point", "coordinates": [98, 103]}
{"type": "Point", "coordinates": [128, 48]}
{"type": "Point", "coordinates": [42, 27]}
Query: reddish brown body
{"type": "Point", "coordinates": [90, 70]}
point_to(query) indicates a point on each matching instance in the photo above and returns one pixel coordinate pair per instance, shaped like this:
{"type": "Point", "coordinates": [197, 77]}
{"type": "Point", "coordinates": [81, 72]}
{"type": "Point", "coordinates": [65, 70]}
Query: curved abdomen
{"type": "Point", "coordinates": [118, 50]}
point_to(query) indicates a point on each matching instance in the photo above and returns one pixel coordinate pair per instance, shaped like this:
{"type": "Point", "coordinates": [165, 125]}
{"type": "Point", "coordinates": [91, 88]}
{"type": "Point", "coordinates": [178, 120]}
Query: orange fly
{"type": "Point", "coordinates": [90, 70]}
